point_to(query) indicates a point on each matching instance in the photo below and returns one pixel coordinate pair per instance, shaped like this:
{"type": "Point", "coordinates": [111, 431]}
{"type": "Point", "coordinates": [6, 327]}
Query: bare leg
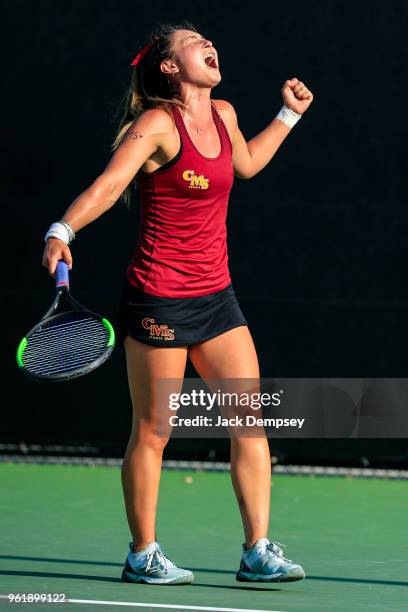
{"type": "Point", "coordinates": [142, 461]}
{"type": "Point", "coordinates": [233, 355]}
{"type": "Point", "coordinates": [251, 479]}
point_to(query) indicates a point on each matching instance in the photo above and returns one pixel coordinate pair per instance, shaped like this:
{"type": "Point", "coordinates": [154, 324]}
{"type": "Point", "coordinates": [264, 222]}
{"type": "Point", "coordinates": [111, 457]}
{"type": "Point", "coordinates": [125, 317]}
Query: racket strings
{"type": "Point", "coordinates": [68, 343]}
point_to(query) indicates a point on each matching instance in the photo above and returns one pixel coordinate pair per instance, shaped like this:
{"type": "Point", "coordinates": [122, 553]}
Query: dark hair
{"type": "Point", "coordinates": [149, 86]}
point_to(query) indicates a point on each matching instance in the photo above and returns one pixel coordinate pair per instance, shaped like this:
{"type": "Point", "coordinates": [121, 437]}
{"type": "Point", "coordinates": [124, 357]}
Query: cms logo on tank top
{"type": "Point", "coordinates": [158, 332]}
{"type": "Point", "coordinates": [196, 182]}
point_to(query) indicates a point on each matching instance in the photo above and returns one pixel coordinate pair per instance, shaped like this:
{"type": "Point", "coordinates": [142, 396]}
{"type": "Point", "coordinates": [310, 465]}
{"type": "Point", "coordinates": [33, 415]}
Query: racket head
{"type": "Point", "coordinates": [68, 342]}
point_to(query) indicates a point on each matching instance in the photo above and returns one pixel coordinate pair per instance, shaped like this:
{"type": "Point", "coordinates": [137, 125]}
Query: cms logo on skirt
{"type": "Point", "coordinates": [158, 332]}
{"type": "Point", "coordinates": [196, 182]}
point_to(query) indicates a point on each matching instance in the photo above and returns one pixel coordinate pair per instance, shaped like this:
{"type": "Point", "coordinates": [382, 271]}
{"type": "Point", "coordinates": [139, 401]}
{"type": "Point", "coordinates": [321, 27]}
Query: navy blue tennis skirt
{"type": "Point", "coordinates": [170, 322]}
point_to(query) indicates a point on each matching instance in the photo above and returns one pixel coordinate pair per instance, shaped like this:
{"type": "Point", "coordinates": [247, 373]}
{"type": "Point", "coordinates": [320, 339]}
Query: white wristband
{"type": "Point", "coordinates": [288, 116]}
{"type": "Point", "coordinates": [62, 231]}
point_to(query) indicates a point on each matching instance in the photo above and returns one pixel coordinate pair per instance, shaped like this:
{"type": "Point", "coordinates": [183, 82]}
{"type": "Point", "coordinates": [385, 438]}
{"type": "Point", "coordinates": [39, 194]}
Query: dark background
{"type": "Point", "coordinates": [317, 240]}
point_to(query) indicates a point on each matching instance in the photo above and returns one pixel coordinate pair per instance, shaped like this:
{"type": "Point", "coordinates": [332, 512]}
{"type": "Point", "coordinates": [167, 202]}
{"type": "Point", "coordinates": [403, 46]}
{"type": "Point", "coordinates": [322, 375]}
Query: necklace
{"type": "Point", "coordinates": [201, 130]}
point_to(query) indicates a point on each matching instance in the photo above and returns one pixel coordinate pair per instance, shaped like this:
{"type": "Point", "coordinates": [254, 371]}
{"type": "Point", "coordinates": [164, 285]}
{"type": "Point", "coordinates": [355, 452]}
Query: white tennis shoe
{"type": "Point", "coordinates": [151, 566]}
{"type": "Point", "coordinates": [264, 562]}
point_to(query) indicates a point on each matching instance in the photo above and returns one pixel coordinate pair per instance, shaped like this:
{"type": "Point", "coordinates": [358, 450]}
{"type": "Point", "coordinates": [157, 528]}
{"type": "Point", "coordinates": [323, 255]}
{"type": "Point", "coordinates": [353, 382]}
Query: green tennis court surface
{"type": "Point", "coordinates": [63, 530]}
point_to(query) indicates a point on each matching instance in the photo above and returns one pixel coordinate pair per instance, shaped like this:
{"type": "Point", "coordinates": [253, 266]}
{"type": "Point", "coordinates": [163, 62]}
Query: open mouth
{"type": "Point", "coordinates": [211, 61]}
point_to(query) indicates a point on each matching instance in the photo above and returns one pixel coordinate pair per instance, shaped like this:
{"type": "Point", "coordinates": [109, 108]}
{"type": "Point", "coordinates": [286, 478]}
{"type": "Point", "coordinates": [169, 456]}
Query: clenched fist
{"type": "Point", "coordinates": [296, 96]}
{"type": "Point", "coordinates": [54, 251]}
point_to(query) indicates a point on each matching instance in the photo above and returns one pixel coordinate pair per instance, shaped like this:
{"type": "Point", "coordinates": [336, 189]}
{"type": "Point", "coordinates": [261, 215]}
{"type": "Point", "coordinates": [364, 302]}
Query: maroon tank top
{"type": "Point", "coordinates": [181, 249]}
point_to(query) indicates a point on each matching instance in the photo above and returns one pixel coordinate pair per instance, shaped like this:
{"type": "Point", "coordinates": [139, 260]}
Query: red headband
{"type": "Point", "coordinates": [144, 52]}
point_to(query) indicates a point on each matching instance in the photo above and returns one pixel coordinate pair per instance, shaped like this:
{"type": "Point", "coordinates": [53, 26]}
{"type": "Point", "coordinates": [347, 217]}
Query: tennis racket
{"type": "Point", "coordinates": [69, 341]}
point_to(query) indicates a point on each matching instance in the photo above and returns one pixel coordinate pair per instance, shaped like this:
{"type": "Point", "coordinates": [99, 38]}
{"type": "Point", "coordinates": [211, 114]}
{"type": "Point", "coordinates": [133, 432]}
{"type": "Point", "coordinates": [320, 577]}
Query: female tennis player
{"type": "Point", "coordinates": [178, 300]}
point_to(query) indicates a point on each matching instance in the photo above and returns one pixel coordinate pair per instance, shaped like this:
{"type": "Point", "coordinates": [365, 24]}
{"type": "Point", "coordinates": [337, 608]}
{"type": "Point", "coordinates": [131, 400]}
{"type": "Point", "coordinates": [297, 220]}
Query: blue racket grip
{"type": "Point", "coordinates": [62, 274]}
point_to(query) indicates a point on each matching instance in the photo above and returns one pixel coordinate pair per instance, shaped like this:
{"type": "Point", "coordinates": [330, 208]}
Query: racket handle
{"type": "Point", "coordinates": [62, 274]}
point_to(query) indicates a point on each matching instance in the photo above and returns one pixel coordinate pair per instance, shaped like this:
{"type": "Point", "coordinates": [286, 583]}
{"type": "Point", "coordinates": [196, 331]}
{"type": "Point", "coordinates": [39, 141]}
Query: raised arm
{"type": "Point", "coordinates": [142, 140]}
{"type": "Point", "coordinates": [251, 157]}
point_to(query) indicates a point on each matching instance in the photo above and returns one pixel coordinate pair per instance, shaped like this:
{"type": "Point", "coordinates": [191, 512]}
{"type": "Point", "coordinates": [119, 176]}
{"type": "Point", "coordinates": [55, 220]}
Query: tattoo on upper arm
{"type": "Point", "coordinates": [133, 134]}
